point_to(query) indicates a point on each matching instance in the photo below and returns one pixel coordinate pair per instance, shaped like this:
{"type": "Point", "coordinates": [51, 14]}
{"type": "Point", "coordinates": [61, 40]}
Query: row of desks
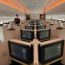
{"type": "Point", "coordinates": [15, 34]}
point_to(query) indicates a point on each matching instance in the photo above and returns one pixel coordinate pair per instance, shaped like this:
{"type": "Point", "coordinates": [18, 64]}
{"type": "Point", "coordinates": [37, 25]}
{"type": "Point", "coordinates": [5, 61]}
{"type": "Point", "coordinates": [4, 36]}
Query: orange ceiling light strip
{"type": "Point", "coordinates": [50, 2]}
{"type": "Point", "coordinates": [9, 3]}
{"type": "Point", "coordinates": [47, 3]}
{"type": "Point", "coordinates": [20, 5]}
{"type": "Point", "coordinates": [53, 5]}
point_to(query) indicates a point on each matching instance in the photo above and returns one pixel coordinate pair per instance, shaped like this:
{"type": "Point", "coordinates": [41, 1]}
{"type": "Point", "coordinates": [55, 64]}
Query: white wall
{"type": "Point", "coordinates": [9, 18]}
{"type": "Point", "coordinates": [58, 17]}
{"type": "Point", "coordinates": [1, 35]}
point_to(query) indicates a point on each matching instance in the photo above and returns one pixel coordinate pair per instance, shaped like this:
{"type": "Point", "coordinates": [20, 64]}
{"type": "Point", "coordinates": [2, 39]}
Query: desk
{"type": "Point", "coordinates": [35, 44]}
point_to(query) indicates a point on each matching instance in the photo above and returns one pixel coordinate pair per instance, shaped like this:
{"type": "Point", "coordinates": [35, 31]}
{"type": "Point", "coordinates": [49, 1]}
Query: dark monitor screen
{"type": "Point", "coordinates": [28, 17]}
{"type": "Point", "coordinates": [29, 27]}
{"type": "Point", "coordinates": [35, 22]}
{"type": "Point", "coordinates": [38, 22]}
{"type": "Point", "coordinates": [42, 16]}
{"type": "Point", "coordinates": [44, 34]}
{"type": "Point", "coordinates": [20, 52]}
{"type": "Point", "coordinates": [27, 35]}
{"type": "Point", "coordinates": [17, 21]}
{"type": "Point", "coordinates": [50, 52]}
{"type": "Point", "coordinates": [40, 27]}
{"type": "Point", "coordinates": [32, 22]}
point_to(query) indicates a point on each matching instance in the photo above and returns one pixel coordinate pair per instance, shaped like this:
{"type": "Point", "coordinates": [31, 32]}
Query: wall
{"type": "Point", "coordinates": [10, 18]}
{"type": "Point", "coordinates": [58, 17]}
{"type": "Point", "coordinates": [1, 34]}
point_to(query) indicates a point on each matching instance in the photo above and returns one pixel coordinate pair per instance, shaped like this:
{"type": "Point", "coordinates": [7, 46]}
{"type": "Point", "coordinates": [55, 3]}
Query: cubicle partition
{"type": "Point", "coordinates": [36, 52]}
{"type": "Point", "coordinates": [21, 51]}
{"type": "Point", "coordinates": [39, 40]}
{"type": "Point", "coordinates": [51, 51]}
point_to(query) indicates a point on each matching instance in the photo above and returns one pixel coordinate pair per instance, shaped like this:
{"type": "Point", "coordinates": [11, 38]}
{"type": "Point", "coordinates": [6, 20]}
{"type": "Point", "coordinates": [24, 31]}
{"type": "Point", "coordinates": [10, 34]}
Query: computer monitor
{"type": "Point", "coordinates": [49, 52]}
{"type": "Point", "coordinates": [28, 17]}
{"type": "Point", "coordinates": [43, 34]}
{"type": "Point", "coordinates": [42, 16]}
{"type": "Point", "coordinates": [39, 27]}
{"type": "Point", "coordinates": [29, 27]}
{"type": "Point", "coordinates": [38, 22]}
{"type": "Point", "coordinates": [31, 22]}
{"type": "Point", "coordinates": [21, 52]}
{"type": "Point", "coordinates": [17, 21]}
{"type": "Point", "coordinates": [27, 35]}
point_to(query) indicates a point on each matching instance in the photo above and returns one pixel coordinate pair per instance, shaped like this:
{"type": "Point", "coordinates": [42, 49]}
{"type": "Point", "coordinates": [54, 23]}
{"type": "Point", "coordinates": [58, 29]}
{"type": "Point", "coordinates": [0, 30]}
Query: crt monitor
{"type": "Point", "coordinates": [39, 22]}
{"type": "Point", "coordinates": [31, 22]}
{"type": "Point", "coordinates": [50, 52]}
{"type": "Point", "coordinates": [43, 34]}
{"type": "Point", "coordinates": [17, 21]}
{"type": "Point", "coordinates": [28, 17]}
{"type": "Point", "coordinates": [39, 27]}
{"type": "Point", "coordinates": [27, 35]}
{"type": "Point", "coordinates": [42, 16]}
{"type": "Point", "coordinates": [29, 27]}
{"type": "Point", "coordinates": [21, 52]}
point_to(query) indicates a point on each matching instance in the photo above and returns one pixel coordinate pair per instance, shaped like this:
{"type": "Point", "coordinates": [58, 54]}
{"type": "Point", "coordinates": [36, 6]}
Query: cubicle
{"type": "Point", "coordinates": [35, 43]}
{"type": "Point", "coordinates": [37, 52]}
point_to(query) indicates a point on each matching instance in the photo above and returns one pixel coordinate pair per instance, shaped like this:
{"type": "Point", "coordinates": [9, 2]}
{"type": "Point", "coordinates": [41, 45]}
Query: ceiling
{"type": "Point", "coordinates": [34, 5]}
{"type": "Point", "coordinates": [12, 7]}
{"type": "Point", "coordinates": [58, 10]}
{"type": "Point", "coordinates": [6, 10]}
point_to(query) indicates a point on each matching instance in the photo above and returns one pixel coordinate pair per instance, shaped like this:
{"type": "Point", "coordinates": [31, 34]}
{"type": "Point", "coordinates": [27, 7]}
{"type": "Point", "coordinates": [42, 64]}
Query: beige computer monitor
{"type": "Point", "coordinates": [46, 46]}
{"type": "Point", "coordinates": [17, 48]}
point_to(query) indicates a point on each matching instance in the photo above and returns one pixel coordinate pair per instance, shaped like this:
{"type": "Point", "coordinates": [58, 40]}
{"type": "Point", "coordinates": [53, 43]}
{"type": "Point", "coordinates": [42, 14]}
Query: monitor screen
{"type": "Point", "coordinates": [27, 35]}
{"type": "Point", "coordinates": [35, 22]}
{"type": "Point", "coordinates": [21, 52]}
{"type": "Point", "coordinates": [50, 52]}
{"type": "Point", "coordinates": [44, 34]}
{"type": "Point", "coordinates": [38, 22]}
{"type": "Point", "coordinates": [31, 23]}
{"type": "Point", "coordinates": [42, 16]}
{"type": "Point", "coordinates": [41, 27]}
{"type": "Point", "coordinates": [29, 27]}
{"type": "Point", "coordinates": [28, 17]}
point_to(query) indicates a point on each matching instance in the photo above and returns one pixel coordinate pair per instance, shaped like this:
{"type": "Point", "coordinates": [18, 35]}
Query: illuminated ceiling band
{"type": "Point", "coordinates": [12, 4]}
{"type": "Point", "coordinates": [53, 5]}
